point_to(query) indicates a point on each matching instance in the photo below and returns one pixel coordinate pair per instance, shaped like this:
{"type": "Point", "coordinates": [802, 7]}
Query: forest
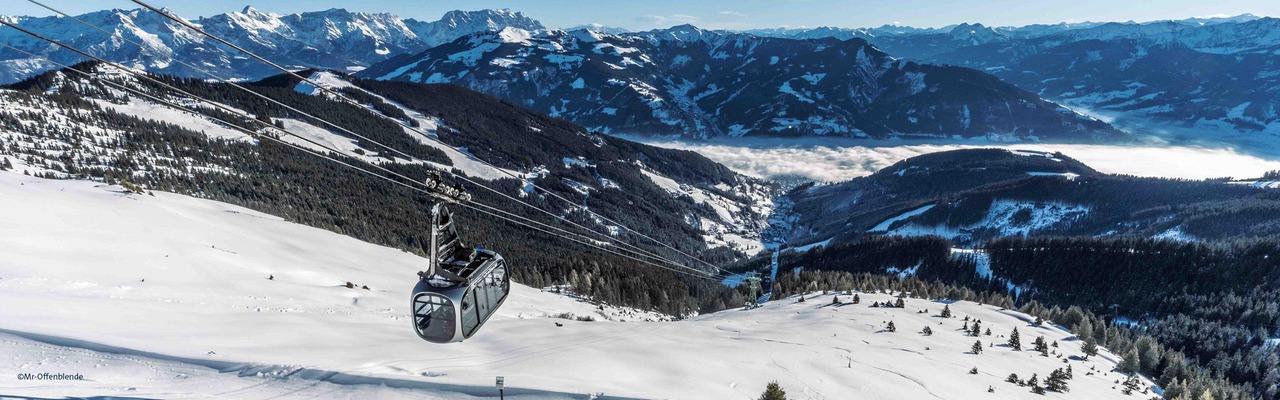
{"type": "Point", "coordinates": [1194, 316]}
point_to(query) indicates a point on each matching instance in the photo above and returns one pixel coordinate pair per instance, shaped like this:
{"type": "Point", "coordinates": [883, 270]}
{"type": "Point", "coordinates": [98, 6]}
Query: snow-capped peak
{"type": "Point", "coordinates": [330, 39]}
{"type": "Point", "coordinates": [514, 35]}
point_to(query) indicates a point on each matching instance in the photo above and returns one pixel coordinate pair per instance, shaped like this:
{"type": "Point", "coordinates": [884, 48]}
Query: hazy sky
{"type": "Point", "coordinates": [724, 14]}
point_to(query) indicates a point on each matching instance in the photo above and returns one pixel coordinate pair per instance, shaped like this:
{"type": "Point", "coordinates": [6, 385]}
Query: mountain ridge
{"type": "Point", "coordinates": [699, 83]}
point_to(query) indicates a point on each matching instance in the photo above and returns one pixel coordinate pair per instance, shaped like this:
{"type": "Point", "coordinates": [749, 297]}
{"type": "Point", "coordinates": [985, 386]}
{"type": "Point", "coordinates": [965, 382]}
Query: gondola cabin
{"type": "Point", "coordinates": [462, 288]}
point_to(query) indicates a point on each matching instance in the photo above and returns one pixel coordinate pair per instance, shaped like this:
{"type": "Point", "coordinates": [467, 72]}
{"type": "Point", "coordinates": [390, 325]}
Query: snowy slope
{"type": "Point", "coordinates": [167, 296]}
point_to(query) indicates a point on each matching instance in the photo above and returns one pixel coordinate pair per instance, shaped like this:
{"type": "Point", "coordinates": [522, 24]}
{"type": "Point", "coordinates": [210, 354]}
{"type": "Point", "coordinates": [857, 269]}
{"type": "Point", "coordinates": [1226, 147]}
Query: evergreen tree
{"type": "Point", "coordinates": [927, 331]}
{"type": "Point", "coordinates": [900, 303]}
{"type": "Point", "coordinates": [1013, 378]}
{"type": "Point", "coordinates": [1057, 381]}
{"type": "Point", "coordinates": [1206, 395]}
{"type": "Point", "coordinates": [946, 311]}
{"type": "Point", "coordinates": [1129, 364]}
{"type": "Point", "coordinates": [1033, 381]}
{"type": "Point", "coordinates": [835, 300]}
{"type": "Point", "coordinates": [773, 391]}
{"type": "Point", "coordinates": [1015, 341]}
{"type": "Point", "coordinates": [891, 327]}
{"type": "Point", "coordinates": [977, 347]}
{"type": "Point", "coordinates": [1090, 348]}
{"type": "Point", "coordinates": [1084, 330]}
{"type": "Point", "coordinates": [1037, 389]}
{"type": "Point", "coordinates": [977, 328]}
{"type": "Point", "coordinates": [973, 371]}
{"type": "Point", "coordinates": [856, 300]}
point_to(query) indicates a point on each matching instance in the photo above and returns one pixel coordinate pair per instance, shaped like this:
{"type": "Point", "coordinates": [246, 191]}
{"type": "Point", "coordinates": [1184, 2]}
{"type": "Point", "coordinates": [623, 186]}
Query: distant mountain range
{"type": "Point", "coordinates": [1198, 72]}
{"type": "Point", "coordinates": [334, 39]}
{"type": "Point", "coordinates": [698, 83]}
{"type": "Point", "coordinates": [889, 81]}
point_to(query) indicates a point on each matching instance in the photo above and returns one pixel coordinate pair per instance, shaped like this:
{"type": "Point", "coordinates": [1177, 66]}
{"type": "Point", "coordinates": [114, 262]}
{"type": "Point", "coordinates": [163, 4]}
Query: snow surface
{"type": "Point", "coordinates": [1001, 217]}
{"type": "Point", "coordinates": [167, 296]}
{"type": "Point", "coordinates": [146, 109]}
{"type": "Point", "coordinates": [425, 133]}
{"type": "Point", "coordinates": [884, 226]}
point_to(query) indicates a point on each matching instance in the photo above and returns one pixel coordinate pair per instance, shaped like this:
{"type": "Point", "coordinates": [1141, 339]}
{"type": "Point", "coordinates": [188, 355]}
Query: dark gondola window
{"type": "Point", "coordinates": [433, 318]}
{"type": "Point", "coordinates": [470, 316]}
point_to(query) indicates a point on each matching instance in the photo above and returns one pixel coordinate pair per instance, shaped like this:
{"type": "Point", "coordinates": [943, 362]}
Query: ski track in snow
{"type": "Point", "coordinates": [207, 322]}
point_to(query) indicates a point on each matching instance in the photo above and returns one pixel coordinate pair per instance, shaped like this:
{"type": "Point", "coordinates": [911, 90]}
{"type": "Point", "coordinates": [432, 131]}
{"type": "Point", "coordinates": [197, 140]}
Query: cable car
{"type": "Point", "coordinates": [462, 287]}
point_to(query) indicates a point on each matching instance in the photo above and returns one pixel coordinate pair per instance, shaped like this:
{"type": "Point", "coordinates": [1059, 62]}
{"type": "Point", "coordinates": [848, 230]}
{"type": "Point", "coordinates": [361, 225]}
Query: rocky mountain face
{"type": "Point", "coordinates": [697, 83]}
{"type": "Point", "coordinates": [334, 39]}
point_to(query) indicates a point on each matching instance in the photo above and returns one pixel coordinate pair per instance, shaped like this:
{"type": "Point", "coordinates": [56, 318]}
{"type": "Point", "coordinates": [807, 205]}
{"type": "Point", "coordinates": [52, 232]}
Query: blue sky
{"type": "Point", "coordinates": [740, 14]}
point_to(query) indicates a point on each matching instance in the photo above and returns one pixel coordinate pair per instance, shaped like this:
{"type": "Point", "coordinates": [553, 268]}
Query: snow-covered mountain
{"type": "Point", "coordinates": [975, 195]}
{"type": "Point", "coordinates": [1216, 73]}
{"type": "Point", "coordinates": [700, 83]}
{"type": "Point", "coordinates": [687, 199]}
{"type": "Point", "coordinates": [335, 39]}
{"type": "Point", "coordinates": [201, 301]}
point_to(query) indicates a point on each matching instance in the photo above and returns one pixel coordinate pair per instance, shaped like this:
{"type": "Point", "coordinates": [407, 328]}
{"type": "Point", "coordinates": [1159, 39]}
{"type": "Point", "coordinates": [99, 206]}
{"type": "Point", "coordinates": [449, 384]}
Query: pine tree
{"type": "Point", "coordinates": [1057, 381]}
{"type": "Point", "coordinates": [835, 300]}
{"type": "Point", "coordinates": [856, 300]}
{"type": "Point", "coordinates": [1013, 378]}
{"type": "Point", "coordinates": [977, 328]}
{"type": "Point", "coordinates": [1015, 341]}
{"type": "Point", "coordinates": [946, 311]}
{"type": "Point", "coordinates": [1033, 381]}
{"type": "Point", "coordinates": [927, 331]}
{"type": "Point", "coordinates": [891, 327]}
{"type": "Point", "coordinates": [1206, 395]}
{"type": "Point", "coordinates": [977, 347]}
{"type": "Point", "coordinates": [773, 391]}
{"type": "Point", "coordinates": [1129, 364]}
{"type": "Point", "coordinates": [1090, 348]}
{"type": "Point", "coordinates": [1037, 389]}
{"type": "Point", "coordinates": [900, 304]}
{"type": "Point", "coordinates": [973, 371]}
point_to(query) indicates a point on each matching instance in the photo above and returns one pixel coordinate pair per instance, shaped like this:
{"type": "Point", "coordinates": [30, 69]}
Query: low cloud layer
{"type": "Point", "coordinates": [833, 160]}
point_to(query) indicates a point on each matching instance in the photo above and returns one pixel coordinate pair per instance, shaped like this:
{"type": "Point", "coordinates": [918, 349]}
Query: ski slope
{"type": "Point", "coordinates": [168, 296]}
